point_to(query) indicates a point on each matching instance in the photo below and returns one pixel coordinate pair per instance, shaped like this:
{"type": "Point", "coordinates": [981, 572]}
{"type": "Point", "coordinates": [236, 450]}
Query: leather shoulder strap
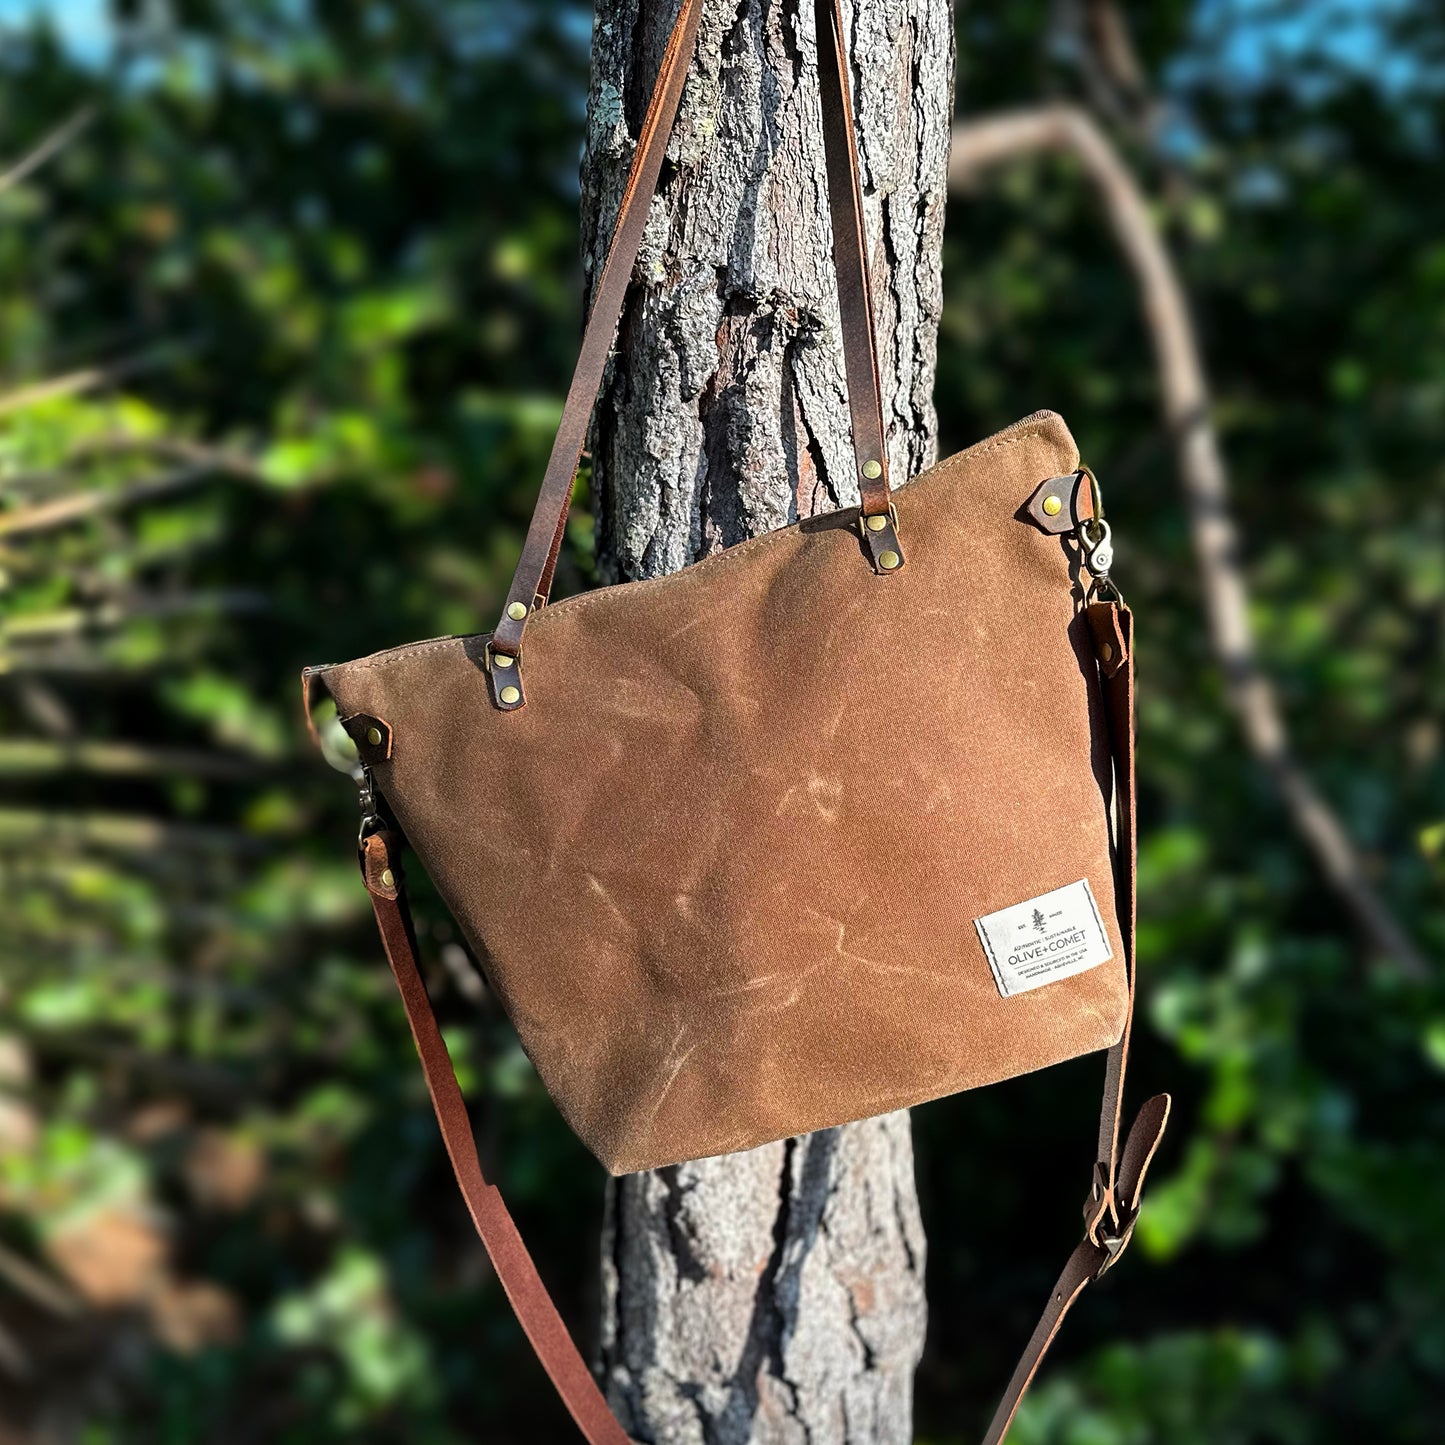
{"type": "Point", "coordinates": [532, 581]}
{"type": "Point", "coordinates": [850, 261]}
{"type": "Point", "coordinates": [1110, 1210]}
{"type": "Point", "coordinates": [530, 1301]}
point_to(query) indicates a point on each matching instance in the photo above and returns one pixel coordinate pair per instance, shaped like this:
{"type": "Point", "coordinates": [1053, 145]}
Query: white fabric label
{"type": "Point", "coordinates": [1043, 939]}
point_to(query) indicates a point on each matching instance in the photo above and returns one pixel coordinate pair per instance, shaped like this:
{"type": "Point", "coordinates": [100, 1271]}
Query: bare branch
{"type": "Point", "coordinates": [978, 145]}
{"type": "Point", "coordinates": [89, 378]}
{"type": "Point", "coordinates": [32, 757]}
{"type": "Point", "coordinates": [65, 509]}
{"type": "Point", "coordinates": [1112, 46]}
{"type": "Point", "coordinates": [69, 384]}
{"type": "Point", "coordinates": [52, 145]}
{"type": "Point", "coordinates": [14, 1360]}
{"type": "Point", "coordinates": [45, 708]}
{"type": "Point", "coordinates": [194, 1076]}
{"type": "Point", "coordinates": [222, 459]}
{"type": "Point", "coordinates": [81, 621]}
{"type": "Point", "coordinates": [37, 1285]}
{"type": "Point", "coordinates": [22, 828]}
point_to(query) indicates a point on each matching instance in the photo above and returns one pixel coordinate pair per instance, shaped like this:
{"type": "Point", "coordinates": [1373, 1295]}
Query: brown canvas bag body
{"type": "Point", "coordinates": [834, 822]}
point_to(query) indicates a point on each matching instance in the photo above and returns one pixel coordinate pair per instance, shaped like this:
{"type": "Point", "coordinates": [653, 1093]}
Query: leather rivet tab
{"type": "Point", "coordinates": [372, 736]}
{"type": "Point", "coordinates": [872, 470]}
{"type": "Point", "coordinates": [388, 878]}
{"type": "Point", "coordinates": [880, 540]}
{"type": "Point", "coordinates": [517, 611]}
{"type": "Point", "coordinates": [1106, 651]}
{"type": "Point", "coordinates": [500, 659]}
{"type": "Point", "coordinates": [1059, 504]}
{"type": "Point", "coordinates": [509, 695]}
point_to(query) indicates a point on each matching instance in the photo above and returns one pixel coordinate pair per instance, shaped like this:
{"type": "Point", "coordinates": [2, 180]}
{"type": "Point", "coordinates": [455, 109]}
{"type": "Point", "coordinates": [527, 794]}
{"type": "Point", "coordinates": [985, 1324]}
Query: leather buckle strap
{"type": "Point", "coordinates": [1107, 1226]}
{"type": "Point", "coordinates": [1113, 1228]}
{"type": "Point", "coordinates": [1111, 1210]}
{"type": "Point", "coordinates": [1114, 1215]}
{"type": "Point", "coordinates": [1114, 1245]}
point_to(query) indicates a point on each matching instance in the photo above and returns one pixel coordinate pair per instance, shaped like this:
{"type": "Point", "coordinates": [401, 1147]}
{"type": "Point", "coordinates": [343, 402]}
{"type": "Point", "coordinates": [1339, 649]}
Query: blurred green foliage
{"type": "Point", "coordinates": [306, 286]}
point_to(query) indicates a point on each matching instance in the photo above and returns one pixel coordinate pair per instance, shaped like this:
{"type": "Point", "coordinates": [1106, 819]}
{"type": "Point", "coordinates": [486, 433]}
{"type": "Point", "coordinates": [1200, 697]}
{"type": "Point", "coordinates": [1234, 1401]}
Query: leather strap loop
{"type": "Point", "coordinates": [532, 581]}
{"type": "Point", "coordinates": [850, 261]}
{"type": "Point", "coordinates": [533, 577]}
{"type": "Point", "coordinates": [1119, 1176]}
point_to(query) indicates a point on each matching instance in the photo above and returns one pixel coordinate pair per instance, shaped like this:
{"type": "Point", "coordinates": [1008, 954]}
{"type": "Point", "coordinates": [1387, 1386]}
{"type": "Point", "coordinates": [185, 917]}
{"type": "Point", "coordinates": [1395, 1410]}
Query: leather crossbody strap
{"type": "Point", "coordinates": [1112, 1205]}
{"type": "Point", "coordinates": [532, 581]}
{"type": "Point", "coordinates": [1109, 1212]}
{"type": "Point", "coordinates": [528, 1296]}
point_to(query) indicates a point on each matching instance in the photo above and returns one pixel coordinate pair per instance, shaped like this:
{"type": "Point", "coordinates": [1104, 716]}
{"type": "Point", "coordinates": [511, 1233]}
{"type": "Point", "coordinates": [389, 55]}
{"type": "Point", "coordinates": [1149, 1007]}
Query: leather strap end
{"type": "Point", "coordinates": [1146, 1133]}
{"type": "Point", "coordinates": [380, 870]}
{"type": "Point", "coordinates": [504, 680]}
{"type": "Point", "coordinates": [1111, 627]}
{"type": "Point", "coordinates": [507, 635]}
{"type": "Point", "coordinates": [1060, 504]}
{"type": "Point", "coordinates": [372, 736]}
{"type": "Point", "coordinates": [880, 537]}
{"type": "Point", "coordinates": [874, 492]}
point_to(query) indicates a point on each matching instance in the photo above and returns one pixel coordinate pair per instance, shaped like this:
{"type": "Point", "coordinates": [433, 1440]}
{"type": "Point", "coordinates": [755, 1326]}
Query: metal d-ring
{"type": "Point", "coordinates": [1094, 536]}
{"type": "Point", "coordinates": [1095, 490]}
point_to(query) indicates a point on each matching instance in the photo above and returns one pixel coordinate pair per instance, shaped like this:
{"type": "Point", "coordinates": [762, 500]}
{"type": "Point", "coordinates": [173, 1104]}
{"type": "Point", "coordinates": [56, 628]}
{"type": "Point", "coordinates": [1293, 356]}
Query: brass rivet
{"type": "Point", "coordinates": [876, 524]}
{"type": "Point", "coordinates": [387, 878]}
{"type": "Point", "coordinates": [501, 659]}
{"type": "Point", "coordinates": [1053, 506]}
{"type": "Point", "coordinates": [872, 470]}
{"type": "Point", "coordinates": [517, 611]}
{"type": "Point", "coordinates": [889, 560]}
{"type": "Point", "coordinates": [1106, 651]}
{"type": "Point", "coordinates": [373, 736]}
{"type": "Point", "coordinates": [511, 695]}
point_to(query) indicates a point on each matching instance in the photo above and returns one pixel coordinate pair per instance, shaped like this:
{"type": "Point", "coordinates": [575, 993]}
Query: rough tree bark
{"type": "Point", "coordinates": [775, 1296]}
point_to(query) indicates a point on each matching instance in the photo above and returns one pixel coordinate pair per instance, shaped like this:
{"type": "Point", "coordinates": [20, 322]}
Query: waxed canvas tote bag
{"type": "Point", "coordinates": [833, 822]}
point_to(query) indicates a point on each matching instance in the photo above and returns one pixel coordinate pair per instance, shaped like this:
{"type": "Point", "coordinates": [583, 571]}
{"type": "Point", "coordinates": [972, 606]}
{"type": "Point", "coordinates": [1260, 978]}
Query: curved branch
{"type": "Point", "coordinates": [978, 145]}
{"type": "Point", "coordinates": [60, 511]}
{"type": "Point", "coordinates": [53, 143]}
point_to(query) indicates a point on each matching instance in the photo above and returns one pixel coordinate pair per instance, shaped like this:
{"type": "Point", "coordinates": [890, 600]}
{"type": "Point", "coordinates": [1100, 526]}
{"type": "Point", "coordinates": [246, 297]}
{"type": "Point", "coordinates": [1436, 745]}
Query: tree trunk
{"type": "Point", "coordinates": [774, 1296]}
